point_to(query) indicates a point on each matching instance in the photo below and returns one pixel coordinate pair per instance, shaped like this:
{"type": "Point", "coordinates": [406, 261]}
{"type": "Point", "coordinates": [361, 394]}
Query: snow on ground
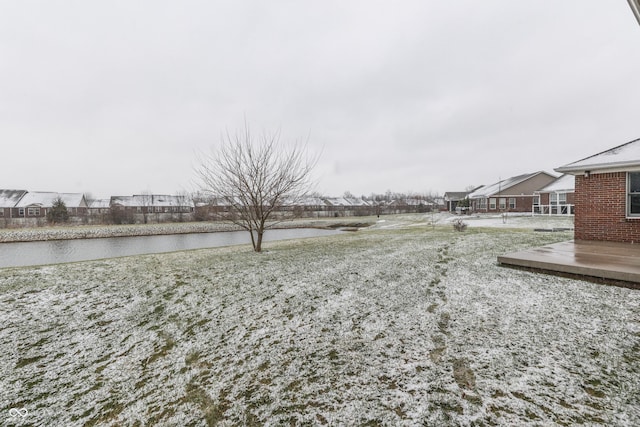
{"type": "Point", "coordinates": [415, 325]}
{"type": "Point", "coordinates": [521, 221]}
{"type": "Point", "coordinates": [100, 231]}
{"type": "Point", "coordinates": [506, 221]}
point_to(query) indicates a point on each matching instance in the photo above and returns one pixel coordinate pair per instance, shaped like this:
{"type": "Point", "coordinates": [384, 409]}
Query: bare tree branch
{"type": "Point", "coordinates": [257, 178]}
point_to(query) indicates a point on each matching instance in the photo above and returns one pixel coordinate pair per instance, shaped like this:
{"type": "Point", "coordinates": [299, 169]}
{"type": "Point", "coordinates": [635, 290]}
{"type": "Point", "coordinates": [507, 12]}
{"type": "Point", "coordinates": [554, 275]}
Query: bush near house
{"type": "Point", "coordinates": [58, 212]}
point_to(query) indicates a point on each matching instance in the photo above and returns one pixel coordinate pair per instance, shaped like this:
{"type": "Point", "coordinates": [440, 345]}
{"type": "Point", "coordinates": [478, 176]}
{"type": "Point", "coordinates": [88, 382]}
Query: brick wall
{"type": "Point", "coordinates": [601, 209]}
{"type": "Point", "coordinates": [523, 204]}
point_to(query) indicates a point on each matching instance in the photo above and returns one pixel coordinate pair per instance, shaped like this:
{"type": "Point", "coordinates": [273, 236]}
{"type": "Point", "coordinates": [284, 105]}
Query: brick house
{"type": "Point", "coordinates": [607, 194]}
{"type": "Point", "coordinates": [347, 206]}
{"type": "Point", "coordinates": [556, 198]}
{"type": "Point", "coordinates": [514, 194]}
{"type": "Point", "coordinates": [8, 200]}
{"type": "Point", "coordinates": [143, 208]}
{"type": "Point", "coordinates": [36, 204]}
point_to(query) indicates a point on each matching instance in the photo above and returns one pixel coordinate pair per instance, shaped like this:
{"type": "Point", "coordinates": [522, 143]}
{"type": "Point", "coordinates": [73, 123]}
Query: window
{"type": "Point", "coordinates": [633, 194]}
{"type": "Point", "coordinates": [492, 204]}
{"type": "Point", "coordinates": [482, 204]}
{"type": "Point", "coordinates": [503, 203]}
{"type": "Point", "coordinates": [536, 200]}
{"type": "Point", "coordinates": [21, 212]}
{"type": "Point", "coordinates": [512, 202]}
{"type": "Point", "coordinates": [562, 198]}
{"type": "Point", "coordinates": [33, 211]}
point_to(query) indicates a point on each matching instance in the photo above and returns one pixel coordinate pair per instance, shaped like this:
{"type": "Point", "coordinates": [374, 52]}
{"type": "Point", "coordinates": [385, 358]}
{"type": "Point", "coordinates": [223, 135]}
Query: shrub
{"type": "Point", "coordinates": [58, 212]}
{"type": "Point", "coordinates": [459, 225]}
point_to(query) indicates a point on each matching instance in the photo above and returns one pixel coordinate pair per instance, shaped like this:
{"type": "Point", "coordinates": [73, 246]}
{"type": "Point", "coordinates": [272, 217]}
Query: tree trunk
{"type": "Point", "coordinates": [253, 239]}
{"type": "Point", "coordinates": [258, 245]}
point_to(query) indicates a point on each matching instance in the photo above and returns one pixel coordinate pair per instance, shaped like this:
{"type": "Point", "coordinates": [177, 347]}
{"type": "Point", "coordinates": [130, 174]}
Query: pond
{"type": "Point", "coordinates": [21, 254]}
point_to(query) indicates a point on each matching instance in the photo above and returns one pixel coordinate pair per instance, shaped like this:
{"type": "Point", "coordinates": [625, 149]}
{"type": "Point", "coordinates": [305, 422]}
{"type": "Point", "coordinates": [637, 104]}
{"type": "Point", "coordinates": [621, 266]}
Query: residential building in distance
{"type": "Point", "coordinates": [556, 198]}
{"type": "Point", "coordinates": [515, 194]}
{"type": "Point", "coordinates": [8, 200]}
{"type": "Point", "coordinates": [144, 208]}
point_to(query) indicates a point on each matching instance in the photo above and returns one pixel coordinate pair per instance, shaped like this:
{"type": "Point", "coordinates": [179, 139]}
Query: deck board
{"type": "Point", "coordinates": [600, 260]}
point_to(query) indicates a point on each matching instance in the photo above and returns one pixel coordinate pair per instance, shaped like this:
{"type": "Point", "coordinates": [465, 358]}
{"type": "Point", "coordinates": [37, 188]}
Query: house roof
{"type": "Point", "coordinates": [409, 201]}
{"type": "Point", "coordinates": [9, 198]}
{"type": "Point", "coordinates": [455, 195]}
{"type": "Point", "coordinates": [155, 200]}
{"type": "Point", "coordinates": [501, 186]}
{"type": "Point", "coordinates": [311, 201]}
{"type": "Point", "coordinates": [622, 157]}
{"type": "Point", "coordinates": [345, 201]}
{"type": "Point", "coordinates": [99, 203]}
{"type": "Point", "coordinates": [459, 195]}
{"type": "Point", "coordinates": [564, 184]}
{"type": "Point", "coordinates": [45, 199]}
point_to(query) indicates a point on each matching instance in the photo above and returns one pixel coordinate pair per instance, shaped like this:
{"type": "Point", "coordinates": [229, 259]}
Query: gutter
{"type": "Point", "coordinates": [635, 8]}
{"type": "Point", "coordinates": [600, 167]}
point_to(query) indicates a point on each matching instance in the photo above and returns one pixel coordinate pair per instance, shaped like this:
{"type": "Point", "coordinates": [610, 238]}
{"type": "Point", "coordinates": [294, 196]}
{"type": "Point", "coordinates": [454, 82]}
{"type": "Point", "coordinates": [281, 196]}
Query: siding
{"type": "Point", "coordinates": [527, 187]}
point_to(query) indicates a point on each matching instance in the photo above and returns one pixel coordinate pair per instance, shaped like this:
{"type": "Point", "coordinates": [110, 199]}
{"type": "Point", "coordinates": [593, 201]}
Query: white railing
{"type": "Point", "coordinates": [552, 210]}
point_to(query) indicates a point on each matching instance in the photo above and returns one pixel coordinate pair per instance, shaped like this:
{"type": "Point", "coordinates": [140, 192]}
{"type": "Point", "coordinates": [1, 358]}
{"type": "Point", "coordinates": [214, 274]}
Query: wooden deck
{"type": "Point", "coordinates": [617, 263]}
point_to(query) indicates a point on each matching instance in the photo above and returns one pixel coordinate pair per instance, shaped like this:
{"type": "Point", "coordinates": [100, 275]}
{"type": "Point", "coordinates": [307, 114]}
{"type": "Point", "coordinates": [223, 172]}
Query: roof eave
{"type": "Point", "coordinates": [600, 167]}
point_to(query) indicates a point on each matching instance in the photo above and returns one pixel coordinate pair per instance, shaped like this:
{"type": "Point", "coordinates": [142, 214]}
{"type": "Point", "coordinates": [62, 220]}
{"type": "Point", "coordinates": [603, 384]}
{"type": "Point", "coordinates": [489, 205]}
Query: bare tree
{"type": "Point", "coordinates": [146, 200]}
{"type": "Point", "coordinates": [183, 200]}
{"type": "Point", "coordinates": [257, 178]}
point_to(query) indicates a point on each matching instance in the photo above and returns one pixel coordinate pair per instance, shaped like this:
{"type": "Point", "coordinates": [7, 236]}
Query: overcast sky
{"type": "Point", "coordinates": [119, 97]}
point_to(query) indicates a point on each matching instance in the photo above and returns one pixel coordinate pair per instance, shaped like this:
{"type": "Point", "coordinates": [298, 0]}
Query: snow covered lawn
{"type": "Point", "coordinates": [409, 325]}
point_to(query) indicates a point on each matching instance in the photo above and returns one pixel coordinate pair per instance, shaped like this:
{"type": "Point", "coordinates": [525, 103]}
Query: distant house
{"type": "Point", "coordinates": [99, 206]}
{"type": "Point", "coordinates": [8, 200]}
{"type": "Point", "coordinates": [143, 208]}
{"type": "Point", "coordinates": [409, 205]}
{"type": "Point", "coordinates": [347, 206]}
{"type": "Point", "coordinates": [514, 194]}
{"type": "Point", "coordinates": [35, 205]}
{"type": "Point", "coordinates": [607, 194]}
{"type": "Point", "coordinates": [556, 198]}
{"type": "Point", "coordinates": [310, 207]}
{"type": "Point", "coordinates": [99, 211]}
{"type": "Point", "coordinates": [453, 198]}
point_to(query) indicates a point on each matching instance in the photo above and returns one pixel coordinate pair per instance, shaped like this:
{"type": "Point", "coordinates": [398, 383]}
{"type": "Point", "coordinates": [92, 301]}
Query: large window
{"type": "Point", "coordinates": [492, 204]}
{"type": "Point", "coordinates": [503, 203]}
{"type": "Point", "coordinates": [512, 202]}
{"type": "Point", "coordinates": [633, 194]}
{"type": "Point", "coordinates": [558, 198]}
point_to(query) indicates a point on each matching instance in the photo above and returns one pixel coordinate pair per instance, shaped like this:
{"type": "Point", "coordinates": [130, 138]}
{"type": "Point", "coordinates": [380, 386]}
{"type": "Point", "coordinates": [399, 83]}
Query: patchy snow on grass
{"type": "Point", "coordinates": [415, 325]}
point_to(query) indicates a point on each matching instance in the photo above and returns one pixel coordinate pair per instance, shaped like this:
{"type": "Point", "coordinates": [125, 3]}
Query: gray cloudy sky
{"type": "Point", "coordinates": [118, 97]}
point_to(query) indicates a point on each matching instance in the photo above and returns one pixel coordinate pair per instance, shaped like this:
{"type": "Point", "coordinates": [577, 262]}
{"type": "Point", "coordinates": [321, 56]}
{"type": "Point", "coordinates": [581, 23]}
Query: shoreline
{"type": "Point", "coordinates": [37, 234]}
